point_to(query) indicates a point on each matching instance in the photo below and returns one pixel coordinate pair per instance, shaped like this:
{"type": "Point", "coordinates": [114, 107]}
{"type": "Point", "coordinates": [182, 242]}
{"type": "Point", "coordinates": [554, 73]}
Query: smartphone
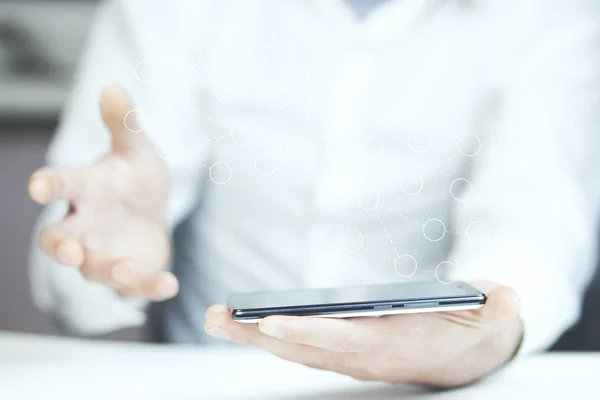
{"type": "Point", "coordinates": [357, 301]}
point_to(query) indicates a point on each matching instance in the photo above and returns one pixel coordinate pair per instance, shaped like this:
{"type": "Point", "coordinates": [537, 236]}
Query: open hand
{"type": "Point", "coordinates": [114, 231]}
{"type": "Point", "coordinates": [434, 349]}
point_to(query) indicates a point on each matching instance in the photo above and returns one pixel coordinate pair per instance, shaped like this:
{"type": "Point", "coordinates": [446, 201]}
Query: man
{"type": "Point", "coordinates": [307, 145]}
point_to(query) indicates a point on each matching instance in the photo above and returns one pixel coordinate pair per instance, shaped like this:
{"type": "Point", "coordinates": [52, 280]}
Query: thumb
{"type": "Point", "coordinates": [503, 302]}
{"type": "Point", "coordinates": [120, 117]}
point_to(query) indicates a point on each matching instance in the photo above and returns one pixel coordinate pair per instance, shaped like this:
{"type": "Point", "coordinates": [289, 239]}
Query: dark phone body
{"type": "Point", "coordinates": [397, 298]}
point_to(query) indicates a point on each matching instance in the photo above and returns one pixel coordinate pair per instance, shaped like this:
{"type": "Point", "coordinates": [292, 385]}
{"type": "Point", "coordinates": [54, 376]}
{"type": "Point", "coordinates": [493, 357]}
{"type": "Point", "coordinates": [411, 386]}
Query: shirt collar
{"type": "Point", "coordinates": [388, 21]}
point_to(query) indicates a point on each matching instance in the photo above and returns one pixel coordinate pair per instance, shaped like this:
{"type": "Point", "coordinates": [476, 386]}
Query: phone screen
{"type": "Point", "coordinates": [352, 294]}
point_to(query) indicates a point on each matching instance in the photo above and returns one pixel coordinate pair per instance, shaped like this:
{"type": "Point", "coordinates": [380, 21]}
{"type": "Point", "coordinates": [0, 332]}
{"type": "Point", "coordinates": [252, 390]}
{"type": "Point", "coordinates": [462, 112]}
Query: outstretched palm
{"type": "Point", "coordinates": [115, 229]}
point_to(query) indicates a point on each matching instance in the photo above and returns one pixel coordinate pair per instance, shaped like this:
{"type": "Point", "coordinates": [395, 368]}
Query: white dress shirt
{"type": "Point", "coordinates": [432, 139]}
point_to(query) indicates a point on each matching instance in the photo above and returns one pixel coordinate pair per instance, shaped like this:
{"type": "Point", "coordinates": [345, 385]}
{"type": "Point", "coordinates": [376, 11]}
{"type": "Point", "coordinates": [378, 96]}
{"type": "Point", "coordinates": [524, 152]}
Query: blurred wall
{"type": "Point", "coordinates": [20, 153]}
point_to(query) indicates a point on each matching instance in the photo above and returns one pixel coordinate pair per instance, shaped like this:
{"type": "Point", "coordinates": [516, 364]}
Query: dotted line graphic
{"type": "Point", "coordinates": [380, 254]}
{"type": "Point", "coordinates": [440, 251]}
{"type": "Point", "coordinates": [441, 163]}
{"type": "Point", "coordinates": [425, 211]}
{"type": "Point", "coordinates": [265, 164]}
{"type": "Point", "coordinates": [404, 216]}
{"type": "Point", "coordinates": [446, 211]}
{"type": "Point", "coordinates": [418, 248]}
{"type": "Point", "coordinates": [386, 231]}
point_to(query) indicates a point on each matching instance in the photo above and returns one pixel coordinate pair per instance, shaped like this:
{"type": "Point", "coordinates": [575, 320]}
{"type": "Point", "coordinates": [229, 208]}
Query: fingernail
{"type": "Point", "coordinates": [272, 330]}
{"type": "Point", "coordinates": [121, 274]}
{"type": "Point", "coordinates": [40, 190]}
{"type": "Point", "coordinates": [164, 288]}
{"type": "Point", "coordinates": [219, 333]}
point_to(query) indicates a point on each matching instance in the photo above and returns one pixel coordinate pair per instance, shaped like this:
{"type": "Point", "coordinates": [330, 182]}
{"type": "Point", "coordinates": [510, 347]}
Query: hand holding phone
{"type": "Point", "coordinates": [433, 348]}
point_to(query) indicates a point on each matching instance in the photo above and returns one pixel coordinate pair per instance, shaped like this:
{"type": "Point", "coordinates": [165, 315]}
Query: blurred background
{"type": "Point", "coordinates": [40, 43]}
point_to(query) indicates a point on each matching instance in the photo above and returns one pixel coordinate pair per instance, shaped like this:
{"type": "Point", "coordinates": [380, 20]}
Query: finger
{"type": "Point", "coordinates": [338, 335]}
{"type": "Point", "coordinates": [502, 306]}
{"type": "Point", "coordinates": [50, 184]}
{"type": "Point", "coordinates": [128, 278]}
{"type": "Point", "coordinates": [219, 323]}
{"type": "Point", "coordinates": [120, 117]}
{"type": "Point", "coordinates": [62, 245]}
{"type": "Point", "coordinates": [158, 286]}
{"type": "Point", "coordinates": [216, 310]}
{"type": "Point", "coordinates": [98, 267]}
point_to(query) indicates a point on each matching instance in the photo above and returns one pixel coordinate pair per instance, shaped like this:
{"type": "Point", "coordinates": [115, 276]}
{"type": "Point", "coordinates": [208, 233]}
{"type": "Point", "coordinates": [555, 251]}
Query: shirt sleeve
{"type": "Point", "coordinates": [151, 49]}
{"type": "Point", "coordinates": [531, 218]}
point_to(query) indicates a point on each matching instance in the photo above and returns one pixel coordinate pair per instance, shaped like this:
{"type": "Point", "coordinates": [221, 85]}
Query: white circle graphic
{"type": "Point", "coordinates": [372, 144]}
{"type": "Point", "coordinates": [404, 263]}
{"type": "Point", "coordinates": [352, 240]}
{"type": "Point", "coordinates": [477, 232]}
{"type": "Point", "coordinates": [368, 200]}
{"type": "Point", "coordinates": [145, 72]}
{"type": "Point", "coordinates": [444, 265]}
{"type": "Point", "coordinates": [127, 125]}
{"type": "Point", "coordinates": [158, 153]}
{"type": "Point", "coordinates": [232, 134]}
{"type": "Point", "coordinates": [411, 183]}
{"type": "Point", "coordinates": [456, 192]}
{"type": "Point", "coordinates": [434, 230]}
{"type": "Point", "coordinates": [328, 208]}
{"type": "Point", "coordinates": [265, 164]}
{"type": "Point", "coordinates": [469, 145]}
{"type": "Point", "coordinates": [220, 172]}
{"type": "Point", "coordinates": [166, 152]}
{"type": "Point", "coordinates": [192, 56]}
{"type": "Point", "coordinates": [419, 141]}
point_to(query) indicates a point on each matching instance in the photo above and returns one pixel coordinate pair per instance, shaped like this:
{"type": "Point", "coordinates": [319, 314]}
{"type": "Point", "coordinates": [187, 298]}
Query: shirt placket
{"type": "Point", "coordinates": [332, 237]}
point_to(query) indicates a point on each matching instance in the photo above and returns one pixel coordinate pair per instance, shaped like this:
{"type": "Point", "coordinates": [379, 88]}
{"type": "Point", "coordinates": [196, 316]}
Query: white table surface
{"type": "Point", "coordinates": [38, 367]}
